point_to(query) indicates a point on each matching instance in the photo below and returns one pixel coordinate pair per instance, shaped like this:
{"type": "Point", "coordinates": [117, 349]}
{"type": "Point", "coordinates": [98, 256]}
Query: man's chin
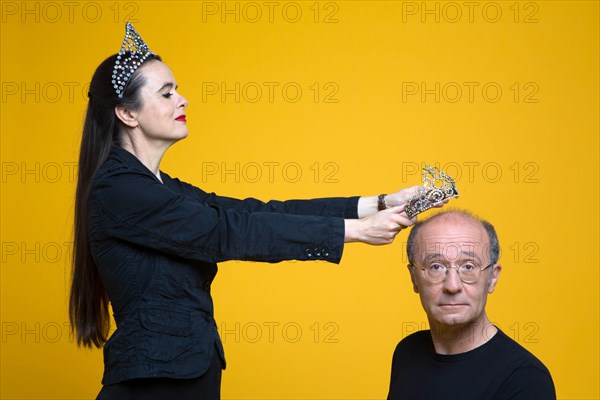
{"type": "Point", "coordinates": [451, 320]}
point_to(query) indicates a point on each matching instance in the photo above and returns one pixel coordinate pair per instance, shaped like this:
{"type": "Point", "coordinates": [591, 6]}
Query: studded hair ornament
{"type": "Point", "coordinates": [134, 51]}
{"type": "Point", "coordinates": [437, 187]}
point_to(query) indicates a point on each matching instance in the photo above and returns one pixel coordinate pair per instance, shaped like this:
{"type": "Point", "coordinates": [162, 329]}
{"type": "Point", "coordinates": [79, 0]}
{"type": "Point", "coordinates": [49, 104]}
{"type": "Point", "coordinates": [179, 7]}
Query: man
{"type": "Point", "coordinates": [453, 266]}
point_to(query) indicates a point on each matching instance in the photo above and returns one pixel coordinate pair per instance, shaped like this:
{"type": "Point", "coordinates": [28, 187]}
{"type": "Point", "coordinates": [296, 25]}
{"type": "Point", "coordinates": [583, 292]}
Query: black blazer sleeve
{"type": "Point", "coordinates": [135, 207]}
{"type": "Point", "coordinates": [344, 207]}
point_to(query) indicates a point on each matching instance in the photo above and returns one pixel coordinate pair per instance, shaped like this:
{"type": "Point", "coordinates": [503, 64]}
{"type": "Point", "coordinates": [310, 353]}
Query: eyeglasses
{"type": "Point", "coordinates": [467, 272]}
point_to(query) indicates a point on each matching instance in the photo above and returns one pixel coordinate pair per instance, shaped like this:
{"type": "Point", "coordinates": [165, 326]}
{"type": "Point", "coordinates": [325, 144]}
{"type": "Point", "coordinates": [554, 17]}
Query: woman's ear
{"type": "Point", "coordinates": [126, 116]}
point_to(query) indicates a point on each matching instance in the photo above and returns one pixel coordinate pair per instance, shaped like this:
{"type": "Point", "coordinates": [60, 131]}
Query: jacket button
{"type": "Point", "coordinates": [207, 317]}
{"type": "Point", "coordinates": [325, 251]}
{"type": "Point", "coordinates": [206, 286]}
{"type": "Point", "coordinates": [308, 253]}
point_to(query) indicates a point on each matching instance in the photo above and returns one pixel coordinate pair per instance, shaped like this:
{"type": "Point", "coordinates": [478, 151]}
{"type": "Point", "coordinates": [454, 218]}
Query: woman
{"type": "Point", "coordinates": [149, 243]}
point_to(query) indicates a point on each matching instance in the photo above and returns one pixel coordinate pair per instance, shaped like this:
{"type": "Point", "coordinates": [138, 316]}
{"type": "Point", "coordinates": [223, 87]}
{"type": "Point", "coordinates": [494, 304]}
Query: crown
{"type": "Point", "coordinates": [133, 53]}
{"type": "Point", "coordinates": [437, 187]}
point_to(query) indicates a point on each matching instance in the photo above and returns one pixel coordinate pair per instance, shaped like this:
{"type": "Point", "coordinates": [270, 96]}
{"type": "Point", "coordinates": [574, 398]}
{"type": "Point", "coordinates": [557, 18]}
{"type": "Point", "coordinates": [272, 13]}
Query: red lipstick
{"type": "Point", "coordinates": [181, 118]}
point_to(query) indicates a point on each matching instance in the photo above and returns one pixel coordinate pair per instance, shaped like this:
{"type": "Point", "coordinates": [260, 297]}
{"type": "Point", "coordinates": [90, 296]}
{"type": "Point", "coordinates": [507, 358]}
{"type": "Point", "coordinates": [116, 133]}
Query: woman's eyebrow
{"type": "Point", "coordinates": [167, 85]}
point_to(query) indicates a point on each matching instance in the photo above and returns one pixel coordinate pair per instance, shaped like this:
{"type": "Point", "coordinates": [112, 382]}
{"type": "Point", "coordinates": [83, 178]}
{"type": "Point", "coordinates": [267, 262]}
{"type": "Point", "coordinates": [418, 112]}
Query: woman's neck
{"type": "Point", "coordinates": [148, 154]}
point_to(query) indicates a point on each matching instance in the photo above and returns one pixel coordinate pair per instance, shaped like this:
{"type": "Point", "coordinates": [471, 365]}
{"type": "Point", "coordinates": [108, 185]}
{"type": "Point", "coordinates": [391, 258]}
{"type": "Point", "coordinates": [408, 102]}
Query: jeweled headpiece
{"type": "Point", "coordinates": [134, 51]}
{"type": "Point", "coordinates": [437, 187]}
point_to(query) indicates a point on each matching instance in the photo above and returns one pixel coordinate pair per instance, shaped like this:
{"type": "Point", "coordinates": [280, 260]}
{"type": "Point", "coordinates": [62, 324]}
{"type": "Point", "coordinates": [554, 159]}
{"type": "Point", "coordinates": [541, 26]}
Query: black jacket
{"type": "Point", "coordinates": [156, 246]}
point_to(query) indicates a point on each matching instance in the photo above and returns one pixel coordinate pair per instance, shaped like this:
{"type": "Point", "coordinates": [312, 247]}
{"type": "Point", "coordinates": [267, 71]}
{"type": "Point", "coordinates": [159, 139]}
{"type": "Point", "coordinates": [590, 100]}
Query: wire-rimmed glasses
{"type": "Point", "coordinates": [468, 272]}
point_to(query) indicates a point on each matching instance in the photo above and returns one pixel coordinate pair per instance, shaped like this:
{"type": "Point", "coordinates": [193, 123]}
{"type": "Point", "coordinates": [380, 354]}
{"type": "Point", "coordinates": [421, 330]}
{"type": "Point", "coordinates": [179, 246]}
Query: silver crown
{"type": "Point", "coordinates": [437, 187]}
{"type": "Point", "coordinates": [134, 51]}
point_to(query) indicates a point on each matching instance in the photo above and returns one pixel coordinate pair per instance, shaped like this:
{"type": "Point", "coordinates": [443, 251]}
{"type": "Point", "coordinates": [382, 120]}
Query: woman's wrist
{"type": "Point", "coordinates": [351, 230]}
{"type": "Point", "coordinates": [367, 205]}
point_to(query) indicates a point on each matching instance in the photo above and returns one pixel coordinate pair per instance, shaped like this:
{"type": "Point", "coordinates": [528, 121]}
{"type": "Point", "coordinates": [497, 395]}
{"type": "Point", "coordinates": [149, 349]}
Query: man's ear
{"type": "Point", "coordinates": [411, 270]}
{"type": "Point", "coordinates": [493, 279]}
{"type": "Point", "coordinates": [127, 116]}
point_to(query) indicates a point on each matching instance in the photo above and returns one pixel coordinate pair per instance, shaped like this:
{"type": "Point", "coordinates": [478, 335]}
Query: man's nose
{"type": "Point", "coordinates": [452, 282]}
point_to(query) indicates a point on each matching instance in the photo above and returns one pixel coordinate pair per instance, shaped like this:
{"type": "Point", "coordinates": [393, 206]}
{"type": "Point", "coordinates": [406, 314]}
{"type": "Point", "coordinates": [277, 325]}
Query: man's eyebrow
{"type": "Point", "coordinates": [432, 256]}
{"type": "Point", "coordinates": [441, 256]}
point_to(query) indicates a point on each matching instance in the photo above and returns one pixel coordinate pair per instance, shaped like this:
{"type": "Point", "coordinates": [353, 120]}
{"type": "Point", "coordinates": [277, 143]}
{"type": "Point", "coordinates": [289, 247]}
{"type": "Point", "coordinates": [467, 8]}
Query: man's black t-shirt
{"type": "Point", "coordinates": [499, 369]}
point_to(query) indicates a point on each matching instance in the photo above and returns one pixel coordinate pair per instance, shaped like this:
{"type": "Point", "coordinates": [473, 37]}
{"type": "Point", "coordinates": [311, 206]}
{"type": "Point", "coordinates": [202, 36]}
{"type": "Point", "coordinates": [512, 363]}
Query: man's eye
{"type": "Point", "coordinates": [468, 267]}
{"type": "Point", "coordinates": [436, 267]}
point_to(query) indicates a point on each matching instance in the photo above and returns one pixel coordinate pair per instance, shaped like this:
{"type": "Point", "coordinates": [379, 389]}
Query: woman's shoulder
{"type": "Point", "coordinates": [120, 162]}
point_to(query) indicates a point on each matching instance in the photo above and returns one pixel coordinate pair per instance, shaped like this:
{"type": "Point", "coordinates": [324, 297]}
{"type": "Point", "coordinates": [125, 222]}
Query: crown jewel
{"type": "Point", "coordinates": [133, 53]}
{"type": "Point", "coordinates": [437, 187]}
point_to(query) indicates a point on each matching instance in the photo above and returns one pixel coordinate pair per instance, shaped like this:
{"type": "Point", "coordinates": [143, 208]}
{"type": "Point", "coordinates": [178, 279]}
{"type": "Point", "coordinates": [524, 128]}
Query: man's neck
{"type": "Point", "coordinates": [456, 339]}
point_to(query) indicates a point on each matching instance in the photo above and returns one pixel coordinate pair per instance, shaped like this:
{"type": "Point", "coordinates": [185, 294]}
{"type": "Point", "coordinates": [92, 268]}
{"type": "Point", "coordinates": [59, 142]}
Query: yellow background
{"type": "Point", "coordinates": [363, 93]}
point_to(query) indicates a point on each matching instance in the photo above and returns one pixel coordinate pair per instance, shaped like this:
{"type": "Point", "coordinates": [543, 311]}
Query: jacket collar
{"type": "Point", "coordinates": [129, 159]}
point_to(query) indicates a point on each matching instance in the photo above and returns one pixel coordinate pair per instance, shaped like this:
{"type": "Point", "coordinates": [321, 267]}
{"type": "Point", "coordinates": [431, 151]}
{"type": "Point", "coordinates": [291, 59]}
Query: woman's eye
{"type": "Point", "coordinates": [167, 95]}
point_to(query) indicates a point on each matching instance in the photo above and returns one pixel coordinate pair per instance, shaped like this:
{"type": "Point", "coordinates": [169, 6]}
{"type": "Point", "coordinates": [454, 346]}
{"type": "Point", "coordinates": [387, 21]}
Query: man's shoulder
{"type": "Point", "coordinates": [514, 354]}
{"type": "Point", "coordinates": [527, 375]}
{"type": "Point", "coordinates": [416, 337]}
{"type": "Point", "coordinates": [512, 347]}
{"type": "Point", "coordinates": [416, 340]}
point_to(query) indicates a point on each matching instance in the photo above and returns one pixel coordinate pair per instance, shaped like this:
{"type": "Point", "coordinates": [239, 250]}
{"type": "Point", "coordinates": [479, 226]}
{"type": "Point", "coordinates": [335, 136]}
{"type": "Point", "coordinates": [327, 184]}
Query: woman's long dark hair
{"type": "Point", "coordinates": [88, 303]}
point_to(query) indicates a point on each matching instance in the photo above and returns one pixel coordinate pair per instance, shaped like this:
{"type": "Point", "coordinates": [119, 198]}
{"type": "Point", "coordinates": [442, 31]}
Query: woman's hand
{"type": "Point", "coordinates": [379, 228]}
{"type": "Point", "coordinates": [368, 205]}
{"type": "Point", "coordinates": [401, 197]}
